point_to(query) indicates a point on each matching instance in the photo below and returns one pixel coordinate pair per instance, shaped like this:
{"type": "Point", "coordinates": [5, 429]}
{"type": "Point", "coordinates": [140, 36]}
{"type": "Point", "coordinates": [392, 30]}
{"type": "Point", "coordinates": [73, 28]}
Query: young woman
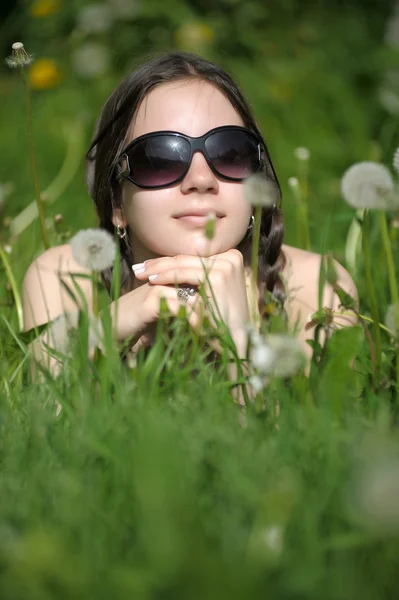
{"type": "Point", "coordinates": [174, 142]}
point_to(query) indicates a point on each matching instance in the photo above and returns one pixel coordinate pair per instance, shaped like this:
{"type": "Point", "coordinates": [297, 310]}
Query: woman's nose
{"type": "Point", "coordinates": [200, 176]}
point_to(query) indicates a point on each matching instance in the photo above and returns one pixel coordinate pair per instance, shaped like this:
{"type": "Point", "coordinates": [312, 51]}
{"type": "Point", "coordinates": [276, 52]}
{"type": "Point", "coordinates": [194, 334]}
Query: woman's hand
{"type": "Point", "coordinates": [225, 277]}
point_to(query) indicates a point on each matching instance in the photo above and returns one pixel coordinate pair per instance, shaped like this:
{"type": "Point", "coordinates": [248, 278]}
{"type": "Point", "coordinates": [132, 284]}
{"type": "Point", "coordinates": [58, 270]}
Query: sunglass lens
{"type": "Point", "coordinates": [233, 153]}
{"type": "Point", "coordinates": [159, 161]}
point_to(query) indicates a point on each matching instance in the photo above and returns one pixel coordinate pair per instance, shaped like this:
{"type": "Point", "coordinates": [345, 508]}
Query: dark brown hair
{"type": "Point", "coordinates": [111, 136]}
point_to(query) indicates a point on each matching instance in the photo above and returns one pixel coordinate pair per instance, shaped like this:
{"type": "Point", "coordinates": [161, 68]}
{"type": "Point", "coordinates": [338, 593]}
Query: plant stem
{"type": "Point", "coordinates": [255, 259]}
{"type": "Point", "coordinates": [393, 286]}
{"type": "Point", "coordinates": [14, 288]}
{"type": "Point", "coordinates": [95, 293]}
{"type": "Point", "coordinates": [39, 200]}
{"type": "Point", "coordinates": [371, 292]}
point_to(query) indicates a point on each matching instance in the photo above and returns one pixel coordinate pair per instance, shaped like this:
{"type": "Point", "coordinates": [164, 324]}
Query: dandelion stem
{"type": "Point", "coordinates": [39, 200]}
{"type": "Point", "coordinates": [371, 292]}
{"type": "Point", "coordinates": [95, 293]}
{"type": "Point", "coordinates": [255, 259]}
{"type": "Point", "coordinates": [393, 286]}
{"type": "Point", "coordinates": [14, 288]}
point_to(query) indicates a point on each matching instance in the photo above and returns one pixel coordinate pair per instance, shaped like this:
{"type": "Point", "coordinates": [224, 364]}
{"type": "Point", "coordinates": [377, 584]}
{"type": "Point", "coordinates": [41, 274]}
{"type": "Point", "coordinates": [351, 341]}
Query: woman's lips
{"type": "Point", "coordinates": [196, 220]}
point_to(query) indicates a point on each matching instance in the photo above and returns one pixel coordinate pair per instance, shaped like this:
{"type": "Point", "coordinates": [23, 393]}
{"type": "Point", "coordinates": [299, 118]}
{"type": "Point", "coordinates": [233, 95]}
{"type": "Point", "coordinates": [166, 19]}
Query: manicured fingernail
{"type": "Point", "coordinates": [138, 268]}
{"type": "Point", "coordinates": [151, 277]}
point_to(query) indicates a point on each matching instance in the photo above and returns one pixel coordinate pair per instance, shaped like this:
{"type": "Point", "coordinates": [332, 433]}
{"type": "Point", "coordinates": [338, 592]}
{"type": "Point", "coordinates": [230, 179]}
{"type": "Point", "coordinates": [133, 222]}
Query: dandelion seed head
{"type": "Point", "coordinates": [93, 249]}
{"type": "Point", "coordinates": [91, 60]}
{"type": "Point", "coordinates": [19, 57]}
{"type": "Point", "coordinates": [125, 9]}
{"type": "Point", "coordinates": [259, 191]}
{"type": "Point", "coordinates": [288, 356]}
{"type": "Point", "coordinates": [95, 18]}
{"type": "Point", "coordinates": [256, 383]}
{"type": "Point", "coordinates": [302, 153]}
{"type": "Point", "coordinates": [63, 330]}
{"type": "Point", "coordinates": [262, 357]}
{"type": "Point", "coordinates": [293, 182]}
{"type": "Point", "coordinates": [273, 538]}
{"type": "Point", "coordinates": [369, 185]}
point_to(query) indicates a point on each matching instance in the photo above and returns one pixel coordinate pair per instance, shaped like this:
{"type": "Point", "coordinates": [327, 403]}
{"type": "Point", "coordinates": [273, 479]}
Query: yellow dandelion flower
{"type": "Point", "coordinates": [194, 35]}
{"type": "Point", "coordinates": [43, 8]}
{"type": "Point", "coordinates": [44, 74]}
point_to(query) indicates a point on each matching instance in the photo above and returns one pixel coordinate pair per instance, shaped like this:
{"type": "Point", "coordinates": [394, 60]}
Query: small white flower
{"type": "Point", "coordinates": [63, 330]}
{"type": "Point", "coordinates": [391, 37]}
{"type": "Point", "coordinates": [288, 356]}
{"type": "Point", "coordinates": [125, 9]}
{"type": "Point", "coordinates": [273, 538]}
{"type": "Point", "coordinates": [302, 153]}
{"type": "Point", "coordinates": [395, 161]}
{"type": "Point", "coordinates": [19, 56]}
{"type": "Point", "coordinates": [260, 191]}
{"type": "Point", "coordinates": [369, 185]}
{"type": "Point", "coordinates": [390, 319]}
{"type": "Point", "coordinates": [256, 383]}
{"type": "Point", "coordinates": [389, 99]}
{"type": "Point", "coordinates": [7, 248]}
{"type": "Point", "coordinates": [95, 18]}
{"type": "Point", "coordinates": [279, 355]}
{"type": "Point", "coordinates": [91, 60]}
{"type": "Point", "coordinates": [262, 357]}
{"type": "Point", "coordinates": [93, 249]}
{"type": "Point", "coordinates": [293, 182]}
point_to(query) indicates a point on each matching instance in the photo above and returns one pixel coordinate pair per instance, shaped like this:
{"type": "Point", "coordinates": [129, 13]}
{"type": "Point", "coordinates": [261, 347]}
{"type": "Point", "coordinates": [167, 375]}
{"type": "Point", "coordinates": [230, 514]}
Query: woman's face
{"type": "Point", "coordinates": [192, 108]}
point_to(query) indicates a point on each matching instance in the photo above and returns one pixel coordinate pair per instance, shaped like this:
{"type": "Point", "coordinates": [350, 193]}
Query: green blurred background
{"type": "Point", "coordinates": [323, 75]}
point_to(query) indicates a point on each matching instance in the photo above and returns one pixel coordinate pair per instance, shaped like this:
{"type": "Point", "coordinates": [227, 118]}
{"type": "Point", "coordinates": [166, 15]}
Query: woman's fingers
{"type": "Point", "coordinates": [192, 276]}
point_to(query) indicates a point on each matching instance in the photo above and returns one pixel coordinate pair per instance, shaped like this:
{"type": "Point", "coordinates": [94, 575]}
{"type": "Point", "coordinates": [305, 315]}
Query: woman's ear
{"type": "Point", "coordinates": [118, 218]}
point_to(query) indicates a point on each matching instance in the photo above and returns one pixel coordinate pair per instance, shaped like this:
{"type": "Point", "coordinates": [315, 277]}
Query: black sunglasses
{"type": "Point", "coordinates": [162, 158]}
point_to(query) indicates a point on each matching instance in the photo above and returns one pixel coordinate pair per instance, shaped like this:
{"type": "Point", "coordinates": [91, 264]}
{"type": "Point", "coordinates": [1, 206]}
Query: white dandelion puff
{"type": "Point", "coordinates": [125, 9]}
{"type": "Point", "coordinates": [256, 383]}
{"type": "Point", "coordinates": [389, 99]}
{"type": "Point", "coordinates": [95, 18]}
{"type": "Point", "coordinates": [288, 356]}
{"type": "Point", "coordinates": [391, 37]}
{"type": "Point", "coordinates": [262, 357]}
{"type": "Point", "coordinates": [369, 185]}
{"type": "Point", "coordinates": [93, 249]}
{"type": "Point", "coordinates": [273, 538]}
{"type": "Point", "coordinates": [302, 153]}
{"type": "Point", "coordinates": [63, 330]}
{"type": "Point", "coordinates": [293, 182]}
{"type": "Point", "coordinates": [19, 57]}
{"type": "Point", "coordinates": [395, 161]}
{"type": "Point", "coordinates": [259, 191]}
{"type": "Point", "coordinates": [91, 60]}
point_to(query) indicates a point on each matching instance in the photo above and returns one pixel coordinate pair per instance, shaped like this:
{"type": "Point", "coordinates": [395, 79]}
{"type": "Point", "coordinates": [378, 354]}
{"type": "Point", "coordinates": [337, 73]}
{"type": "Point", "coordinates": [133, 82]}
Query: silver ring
{"type": "Point", "coordinates": [184, 293]}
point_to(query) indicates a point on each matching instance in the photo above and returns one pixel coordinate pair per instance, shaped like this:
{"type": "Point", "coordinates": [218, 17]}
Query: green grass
{"type": "Point", "coordinates": [151, 482]}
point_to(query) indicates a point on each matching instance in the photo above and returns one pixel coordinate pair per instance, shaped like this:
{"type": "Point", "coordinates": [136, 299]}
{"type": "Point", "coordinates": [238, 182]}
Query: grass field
{"type": "Point", "coordinates": [152, 483]}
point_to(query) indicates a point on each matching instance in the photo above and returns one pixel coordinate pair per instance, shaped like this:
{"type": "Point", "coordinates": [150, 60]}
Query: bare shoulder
{"type": "Point", "coordinates": [301, 276]}
{"type": "Point", "coordinates": [43, 295]}
{"type": "Point", "coordinates": [302, 272]}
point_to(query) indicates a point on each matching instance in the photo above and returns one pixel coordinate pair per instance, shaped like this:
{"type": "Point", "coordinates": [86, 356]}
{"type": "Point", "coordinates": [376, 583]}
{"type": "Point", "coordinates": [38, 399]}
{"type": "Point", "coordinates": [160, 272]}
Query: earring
{"type": "Point", "coordinates": [251, 223]}
{"type": "Point", "coordinates": [120, 232]}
